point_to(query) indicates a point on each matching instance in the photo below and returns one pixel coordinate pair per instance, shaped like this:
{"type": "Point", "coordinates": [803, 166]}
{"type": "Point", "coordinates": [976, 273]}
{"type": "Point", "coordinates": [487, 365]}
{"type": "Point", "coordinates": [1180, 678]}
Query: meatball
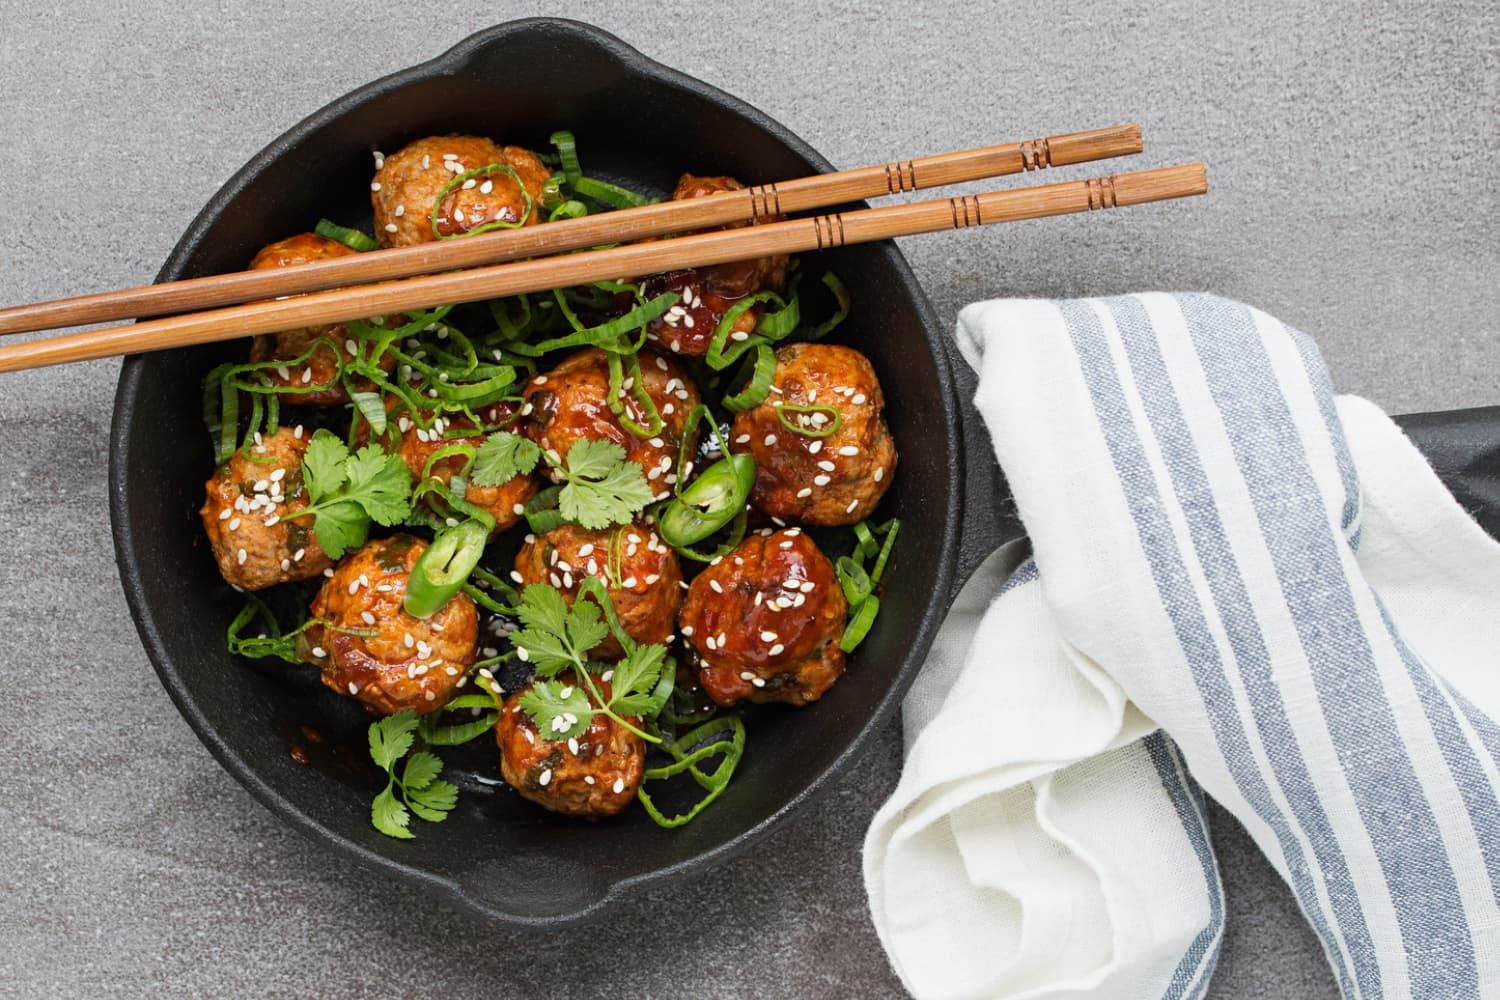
{"type": "Point", "coordinates": [831, 480]}
{"type": "Point", "coordinates": [646, 594]}
{"type": "Point", "coordinates": [709, 292]}
{"type": "Point", "coordinates": [764, 622]}
{"type": "Point", "coordinates": [322, 367]}
{"type": "Point", "coordinates": [571, 403]}
{"type": "Point", "coordinates": [593, 776]}
{"type": "Point", "coordinates": [248, 514]}
{"type": "Point", "coordinates": [410, 181]}
{"type": "Point", "coordinates": [506, 501]}
{"type": "Point", "coordinates": [365, 643]}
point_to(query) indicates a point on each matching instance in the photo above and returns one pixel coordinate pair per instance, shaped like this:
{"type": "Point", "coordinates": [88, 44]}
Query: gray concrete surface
{"type": "Point", "coordinates": [1352, 158]}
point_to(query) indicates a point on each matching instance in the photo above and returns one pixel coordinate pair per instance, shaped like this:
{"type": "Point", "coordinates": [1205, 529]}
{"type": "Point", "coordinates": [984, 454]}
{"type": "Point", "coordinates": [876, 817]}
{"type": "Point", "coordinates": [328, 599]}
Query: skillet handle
{"type": "Point", "coordinates": [1464, 448]}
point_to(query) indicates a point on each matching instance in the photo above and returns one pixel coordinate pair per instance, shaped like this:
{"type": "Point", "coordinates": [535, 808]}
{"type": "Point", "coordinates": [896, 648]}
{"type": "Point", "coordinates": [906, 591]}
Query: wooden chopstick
{"type": "Point", "coordinates": [624, 226]}
{"type": "Point", "coordinates": [496, 281]}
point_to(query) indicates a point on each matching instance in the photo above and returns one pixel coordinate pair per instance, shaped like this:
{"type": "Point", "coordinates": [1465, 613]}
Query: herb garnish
{"type": "Point", "coordinates": [418, 790]}
{"type": "Point", "coordinates": [347, 492]}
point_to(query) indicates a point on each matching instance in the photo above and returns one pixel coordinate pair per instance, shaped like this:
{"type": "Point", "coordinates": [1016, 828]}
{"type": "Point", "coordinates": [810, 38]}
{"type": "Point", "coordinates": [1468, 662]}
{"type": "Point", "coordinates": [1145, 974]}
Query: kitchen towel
{"type": "Point", "coordinates": [1240, 585]}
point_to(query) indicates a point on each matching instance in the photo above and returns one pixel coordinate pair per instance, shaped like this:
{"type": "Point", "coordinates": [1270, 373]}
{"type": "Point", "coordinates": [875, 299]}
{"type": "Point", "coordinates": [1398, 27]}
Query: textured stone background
{"type": "Point", "coordinates": [1352, 157]}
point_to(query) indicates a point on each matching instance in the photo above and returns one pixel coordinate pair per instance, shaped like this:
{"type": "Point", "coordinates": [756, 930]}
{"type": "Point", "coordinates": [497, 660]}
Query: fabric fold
{"type": "Point", "coordinates": [1273, 576]}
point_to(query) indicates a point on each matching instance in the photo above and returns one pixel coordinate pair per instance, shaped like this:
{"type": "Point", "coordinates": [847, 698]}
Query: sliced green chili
{"type": "Point", "coordinates": [442, 570]}
{"type": "Point", "coordinates": [713, 500]}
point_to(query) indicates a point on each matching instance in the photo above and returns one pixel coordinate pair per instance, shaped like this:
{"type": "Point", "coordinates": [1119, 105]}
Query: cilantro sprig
{"type": "Point", "coordinates": [503, 457]}
{"type": "Point", "coordinates": [556, 639]}
{"type": "Point", "coordinates": [418, 790]}
{"type": "Point", "coordinates": [601, 485]}
{"type": "Point", "coordinates": [346, 492]}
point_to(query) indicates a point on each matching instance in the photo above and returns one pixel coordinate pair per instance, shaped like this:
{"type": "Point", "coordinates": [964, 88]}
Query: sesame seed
{"type": "Point", "coordinates": [807, 586]}
{"type": "Point", "coordinates": [585, 550]}
{"type": "Point", "coordinates": [709, 642]}
{"type": "Point", "coordinates": [374, 185]}
{"type": "Point", "coordinates": [759, 682]}
{"type": "Point", "coordinates": [852, 504]}
{"type": "Point", "coordinates": [717, 589]}
{"type": "Point", "coordinates": [804, 493]}
{"type": "Point", "coordinates": [353, 688]}
{"type": "Point", "coordinates": [243, 555]}
{"type": "Point", "coordinates": [879, 475]}
{"type": "Point", "coordinates": [815, 447]}
{"type": "Point", "coordinates": [860, 399]}
{"type": "Point", "coordinates": [351, 346]}
{"type": "Point", "coordinates": [516, 576]}
{"type": "Point", "coordinates": [687, 630]}
{"type": "Point", "coordinates": [628, 583]}
{"type": "Point", "coordinates": [786, 545]}
{"type": "Point", "coordinates": [821, 480]}
{"type": "Point", "coordinates": [826, 465]}
{"type": "Point", "coordinates": [426, 162]}
{"type": "Point", "coordinates": [225, 514]}
{"type": "Point", "coordinates": [770, 440]}
{"type": "Point", "coordinates": [522, 654]}
{"type": "Point", "coordinates": [400, 211]}
{"type": "Point", "coordinates": [619, 785]}
{"type": "Point", "coordinates": [369, 619]}
{"type": "Point", "coordinates": [284, 372]}
{"type": "Point", "coordinates": [306, 375]}
{"type": "Point", "coordinates": [328, 572]}
{"type": "Point", "coordinates": [391, 227]}
{"type": "Point", "coordinates": [469, 184]}
{"type": "Point", "coordinates": [588, 779]}
{"type": "Point", "coordinates": [430, 696]}
{"type": "Point", "coordinates": [286, 564]}
{"type": "Point", "coordinates": [408, 640]}
{"type": "Point", "coordinates": [768, 637]}
{"type": "Point", "coordinates": [486, 187]}
{"type": "Point", "coordinates": [776, 650]}
{"type": "Point", "coordinates": [458, 215]}
{"type": "Point", "coordinates": [573, 746]}
{"type": "Point", "coordinates": [652, 578]}
{"type": "Point", "coordinates": [234, 525]}
{"type": "Point", "coordinates": [278, 475]}
{"type": "Point", "coordinates": [319, 652]}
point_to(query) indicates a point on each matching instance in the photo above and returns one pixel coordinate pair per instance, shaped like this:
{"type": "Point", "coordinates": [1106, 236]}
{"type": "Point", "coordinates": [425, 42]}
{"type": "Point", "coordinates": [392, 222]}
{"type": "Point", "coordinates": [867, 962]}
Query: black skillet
{"type": "Point", "coordinates": [636, 121]}
{"type": "Point", "coordinates": [640, 122]}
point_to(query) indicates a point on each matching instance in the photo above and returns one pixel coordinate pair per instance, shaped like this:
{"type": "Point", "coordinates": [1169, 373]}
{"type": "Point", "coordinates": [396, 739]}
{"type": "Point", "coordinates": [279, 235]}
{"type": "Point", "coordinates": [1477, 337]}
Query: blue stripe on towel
{"type": "Point", "coordinates": [1197, 965]}
{"type": "Point", "coordinates": [1190, 622]}
{"type": "Point", "coordinates": [1386, 789]}
{"type": "Point", "coordinates": [1463, 763]}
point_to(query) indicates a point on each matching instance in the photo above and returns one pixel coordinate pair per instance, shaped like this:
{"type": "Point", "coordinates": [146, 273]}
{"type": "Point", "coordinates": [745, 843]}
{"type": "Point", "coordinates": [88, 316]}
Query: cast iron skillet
{"type": "Point", "coordinates": [636, 121]}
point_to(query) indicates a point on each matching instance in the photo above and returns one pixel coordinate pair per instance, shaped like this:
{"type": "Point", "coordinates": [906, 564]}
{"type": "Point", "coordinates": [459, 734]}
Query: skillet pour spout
{"type": "Point", "coordinates": [640, 123]}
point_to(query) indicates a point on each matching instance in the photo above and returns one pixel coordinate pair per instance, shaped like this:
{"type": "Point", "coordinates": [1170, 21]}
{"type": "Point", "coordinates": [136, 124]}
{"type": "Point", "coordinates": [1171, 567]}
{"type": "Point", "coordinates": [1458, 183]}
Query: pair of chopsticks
{"type": "Point", "coordinates": [472, 269]}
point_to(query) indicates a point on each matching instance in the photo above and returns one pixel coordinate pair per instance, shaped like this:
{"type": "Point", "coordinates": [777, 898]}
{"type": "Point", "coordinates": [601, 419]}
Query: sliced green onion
{"type": "Point", "coordinates": [758, 386]}
{"type": "Point", "coordinates": [372, 407]}
{"type": "Point", "coordinates": [859, 623]}
{"type": "Point", "coordinates": [455, 183]}
{"type": "Point", "coordinates": [713, 500]}
{"type": "Point", "coordinates": [608, 335]}
{"type": "Point", "coordinates": [441, 571]}
{"type": "Point", "coordinates": [712, 735]}
{"type": "Point", "coordinates": [608, 194]}
{"type": "Point", "coordinates": [351, 238]}
{"type": "Point", "coordinates": [617, 366]}
{"type": "Point", "coordinates": [841, 295]}
{"type": "Point", "coordinates": [459, 733]}
{"type": "Point", "coordinates": [567, 154]}
{"type": "Point", "coordinates": [831, 427]}
{"type": "Point", "coordinates": [855, 581]}
{"type": "Point", "coordinates": [542, 514]}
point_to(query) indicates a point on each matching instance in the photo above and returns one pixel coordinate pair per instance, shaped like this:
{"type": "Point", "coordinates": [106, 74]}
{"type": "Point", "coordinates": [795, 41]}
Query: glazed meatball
{"type": "Point", "coordinates": [372, 649]}
{"type": "Point", "coordinates": [593, 776]}
{"type": "Point", "coordinates": [708, 292]}
{"type": "Point", "coordinates": [571, 403]}
{"type": "Point", "coordinates": [505, 502]}
{"type": "Point", "coordinates": [410, 181]}
{"type": "Point", "coordinates": [248, 514]}
{"type": "Point", "coordinates": [322, 367]}
{"type": "Point", "coordinates": [830, 480]}
{"type": "Point", "coordinates": [764, 622]}
{"type": "Point", "coordinates": [646, 595]}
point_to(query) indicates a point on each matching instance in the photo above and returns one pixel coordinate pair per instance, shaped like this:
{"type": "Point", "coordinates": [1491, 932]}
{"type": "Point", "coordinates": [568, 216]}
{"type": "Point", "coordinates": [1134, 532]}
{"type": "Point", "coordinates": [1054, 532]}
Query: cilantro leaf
{"type": "Point", "coordinates": [635, 678]}
{"type": "Point", "coordinates": [341, 526]}
{"type": "Point", "coordinates": [604, 487]}
{"type": "Point", "coordinates": [585, 627]}
{"type": "Point", "coordinates": [418, 790]}
{"type": "Point", "coordinates": [381, 484]}
{"type": "Point", "coordinates": [348, 491]}
{"type": "Point", "coordinates": [323, 465]}
{"type": "Point", "coordinates": [389, 816]}
{"type": "Point", "coordinates": [421, 768]}
{"type": "Point", "coordinates": [433, 802]}
{"type": "Point", "coordinates": [391, 737]}
{"type": "Point", "coordinates": [561, 711]}
{"type": "Point", "coordinates": [593, 458]}
{"type": "Point", "coordinates": [503, 457]}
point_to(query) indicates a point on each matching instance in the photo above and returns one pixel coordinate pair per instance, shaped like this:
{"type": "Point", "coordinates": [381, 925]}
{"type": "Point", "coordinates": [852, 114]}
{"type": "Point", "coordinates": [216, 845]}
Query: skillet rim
{"type": "Point", "coordinates": [452, 891]}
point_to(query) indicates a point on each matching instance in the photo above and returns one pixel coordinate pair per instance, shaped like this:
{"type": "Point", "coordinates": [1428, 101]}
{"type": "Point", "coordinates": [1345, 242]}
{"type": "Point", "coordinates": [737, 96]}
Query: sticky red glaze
{"type": "Point", "coordinates": [760, 604]}
{"type": "Point", "coordinates": [581, 783]}
{"type": "Point", "coordinates": [709, 292]}
{"type": "Point", "coordinates": [382, 668]}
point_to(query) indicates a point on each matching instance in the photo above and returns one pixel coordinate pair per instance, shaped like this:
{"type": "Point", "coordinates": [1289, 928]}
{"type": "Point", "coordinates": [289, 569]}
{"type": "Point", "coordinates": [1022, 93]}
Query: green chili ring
{"type": "Point", "coordinates": [713, 500]}
{"type": "Point", "coordinates": [444, 568]}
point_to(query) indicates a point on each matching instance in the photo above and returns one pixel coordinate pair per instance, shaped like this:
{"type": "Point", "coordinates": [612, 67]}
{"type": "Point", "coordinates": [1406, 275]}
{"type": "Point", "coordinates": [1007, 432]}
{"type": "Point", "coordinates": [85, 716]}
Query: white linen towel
{"type": "Point", "coordinates": [1241, 583]}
